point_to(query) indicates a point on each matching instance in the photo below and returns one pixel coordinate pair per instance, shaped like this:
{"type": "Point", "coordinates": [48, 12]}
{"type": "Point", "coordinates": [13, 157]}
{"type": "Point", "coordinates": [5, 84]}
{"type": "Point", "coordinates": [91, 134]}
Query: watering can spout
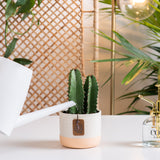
{"type": "Point", "coordinates": [7, 124]}
{"type": "Point", "coordinates": [29, 117]}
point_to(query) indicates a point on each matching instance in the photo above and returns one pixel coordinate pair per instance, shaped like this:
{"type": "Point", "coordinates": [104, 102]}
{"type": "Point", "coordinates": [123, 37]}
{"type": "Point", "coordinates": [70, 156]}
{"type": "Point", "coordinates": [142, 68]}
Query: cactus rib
{"type": "Point", "coordinates": [76, 92]}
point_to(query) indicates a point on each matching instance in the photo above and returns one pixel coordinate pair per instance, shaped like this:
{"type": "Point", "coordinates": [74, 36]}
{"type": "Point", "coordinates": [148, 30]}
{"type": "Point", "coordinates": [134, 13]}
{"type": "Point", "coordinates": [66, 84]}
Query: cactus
{"type": "Point", "coordinates": [76, 92]}
{"type": "Point", "coordinates": [86, 99]}
{"type": "Point", "coordinates": [91, 93]}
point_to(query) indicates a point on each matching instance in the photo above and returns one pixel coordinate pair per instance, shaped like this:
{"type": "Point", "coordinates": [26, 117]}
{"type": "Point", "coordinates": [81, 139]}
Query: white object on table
{"type": "Point", "coordinates": [121, 140]}
{"type": "Point", "coordinates": [14, 84]}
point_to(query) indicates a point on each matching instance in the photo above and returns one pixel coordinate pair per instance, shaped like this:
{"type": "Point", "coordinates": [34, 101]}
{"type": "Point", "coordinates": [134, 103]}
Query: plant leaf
{"type": "Point", "coordinates": [107, 37]}
{"type": "Point", "coordinates": [10, 47]}
{"type": "Point", "coordinates": [131, 48]}
{"type": "Point", "coordinates": [142, 112]}
{"type": "Point", "coordinates": [39, 2]}
{"type": "Point", "coordinates": [8, 2]}
{"type": "Point", "coordinates": [10, 10]}
{"type": "Point", "coordinates": [21, 2]}
{"type": "Point", "coordinates": [155, 48]}
{"type": "Point", "coordinates": [133, 73]}
{"type": "Point", "coordinates": [149, 107]}
{"type": "Point", "coordinates": [127, 112]}
{"type": "Point", "coordinates": [147, 24]}
{"type": "Point", "coordinates": [139, 112]}
{"type": "Point", "coordinates": [123, 54]}
{"type": "Point", "coordinates": [106, 81]}
{"type": "Point", "coordinates": [157, 2]}
{"type": "Point", "coordinates": [38, 22]}
{"type": "Point", "coordinates": [23, 61]}
{"type": "Point", "coordinates": [26, 7]}
{"type": "Point", "coordinates": [133, 102]}
{"type": "Point", "coordinates": [106, 1]}
{"type": "Point", "coordinates": [111, 60]}
{"type": "Point", "coordinates": [25, 15]}
{"type": "Point", "coordinates": [147, 91]}
{"type": "Point", "coordinates": [5, 33]}
{"type": "Point", "coordinates": [155, 7]}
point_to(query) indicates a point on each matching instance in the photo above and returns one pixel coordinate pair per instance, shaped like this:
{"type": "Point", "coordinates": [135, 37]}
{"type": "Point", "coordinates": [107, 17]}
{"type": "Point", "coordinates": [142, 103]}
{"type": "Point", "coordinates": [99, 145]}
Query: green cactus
{"type": "Point", "coordinates": [91, 94]}
{"type": "Point", "coordinates": [76, 92]}
{"type": "Point", "coordinates": [86, 87]}
{"type": "Point", "coordinates": [86, 99]}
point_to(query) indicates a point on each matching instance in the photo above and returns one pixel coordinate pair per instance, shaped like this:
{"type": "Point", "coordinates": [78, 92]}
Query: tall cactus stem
{"type": "Point", "coordinates": [76, 92]}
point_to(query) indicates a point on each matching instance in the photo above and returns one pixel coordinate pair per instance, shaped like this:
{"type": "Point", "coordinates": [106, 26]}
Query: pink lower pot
{"type": "Point", "coordinates": [80, 131]}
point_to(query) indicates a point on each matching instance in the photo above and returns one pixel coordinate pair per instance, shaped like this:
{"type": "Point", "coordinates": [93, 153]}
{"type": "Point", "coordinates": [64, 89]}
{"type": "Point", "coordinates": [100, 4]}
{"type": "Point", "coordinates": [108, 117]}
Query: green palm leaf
{"type": "Point", "coordinates": [143, 60]}
{"type": "Point", "coordinates": [111, 60]}
{"type": "Point", "coordinates": [125, 43]}
{"type": "Point", "coordinates": [133, 73]}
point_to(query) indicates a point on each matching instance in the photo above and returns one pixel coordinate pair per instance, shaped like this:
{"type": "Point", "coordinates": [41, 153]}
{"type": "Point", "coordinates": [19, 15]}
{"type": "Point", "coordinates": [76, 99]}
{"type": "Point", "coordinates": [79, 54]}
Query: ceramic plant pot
{"type": "Point", "coordinates": [84, 132]}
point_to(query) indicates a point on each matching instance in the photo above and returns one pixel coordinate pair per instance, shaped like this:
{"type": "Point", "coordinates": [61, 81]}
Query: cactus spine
{"type": "Point", "coordinates": [86, 99]}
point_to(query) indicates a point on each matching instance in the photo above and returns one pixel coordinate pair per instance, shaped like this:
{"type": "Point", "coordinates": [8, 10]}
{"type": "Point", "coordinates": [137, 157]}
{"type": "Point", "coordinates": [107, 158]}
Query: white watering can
{"type": "Point", "coordinates": [14, 84]}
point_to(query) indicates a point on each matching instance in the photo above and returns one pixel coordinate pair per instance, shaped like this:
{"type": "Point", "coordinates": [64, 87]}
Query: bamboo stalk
{"type": "Point", "coordinates": [96, 42]}
{"type": "Point", "coordinates": [112, 86]}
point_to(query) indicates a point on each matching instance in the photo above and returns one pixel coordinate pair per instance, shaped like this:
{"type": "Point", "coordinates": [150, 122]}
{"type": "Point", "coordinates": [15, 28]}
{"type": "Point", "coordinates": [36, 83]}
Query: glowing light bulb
{"type": "Point", "coordinates": [138, 1]}
{"type": "Point", "coordinates": [137, 9]}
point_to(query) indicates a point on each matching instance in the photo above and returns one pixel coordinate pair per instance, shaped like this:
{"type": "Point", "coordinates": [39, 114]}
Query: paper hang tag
{"type": "Point", "coordinates": [78, 127]}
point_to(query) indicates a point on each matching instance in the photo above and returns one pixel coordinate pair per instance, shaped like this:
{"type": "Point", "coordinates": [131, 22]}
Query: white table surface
{"type": "Point", "coordinates": [39, 140]}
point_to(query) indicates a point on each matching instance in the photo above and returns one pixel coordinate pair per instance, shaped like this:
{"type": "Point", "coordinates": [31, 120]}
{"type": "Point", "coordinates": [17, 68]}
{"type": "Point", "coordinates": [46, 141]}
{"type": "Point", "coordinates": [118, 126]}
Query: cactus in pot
{"type": "Point", "coordinates": [85, 97]}
{"type": "Point", "coordinates": [80, 125]}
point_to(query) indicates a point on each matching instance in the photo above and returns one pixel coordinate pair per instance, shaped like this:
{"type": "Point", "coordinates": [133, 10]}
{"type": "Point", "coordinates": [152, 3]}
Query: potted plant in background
{"type": "Point", "coordinates": [142, 63]}
{"type": "Point", "coordinates": [80, 126]}
{"type": "Point", "coordinates": [149, 71]}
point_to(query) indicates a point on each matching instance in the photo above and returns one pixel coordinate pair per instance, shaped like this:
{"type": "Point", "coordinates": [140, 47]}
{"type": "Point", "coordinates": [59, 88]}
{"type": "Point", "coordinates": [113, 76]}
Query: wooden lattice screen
{"type": "Point", "coordinates": [55, 47]}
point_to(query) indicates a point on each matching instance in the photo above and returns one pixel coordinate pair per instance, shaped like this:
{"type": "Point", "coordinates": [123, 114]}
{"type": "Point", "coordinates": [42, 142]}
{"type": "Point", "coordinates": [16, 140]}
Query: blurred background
{"type": "Point", "coordinates": [135, 33]}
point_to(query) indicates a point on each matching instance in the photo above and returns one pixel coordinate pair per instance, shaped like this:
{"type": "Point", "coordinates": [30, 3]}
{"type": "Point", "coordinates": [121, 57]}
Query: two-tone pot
{"type": "Point", "coordinates": [80, 131]}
